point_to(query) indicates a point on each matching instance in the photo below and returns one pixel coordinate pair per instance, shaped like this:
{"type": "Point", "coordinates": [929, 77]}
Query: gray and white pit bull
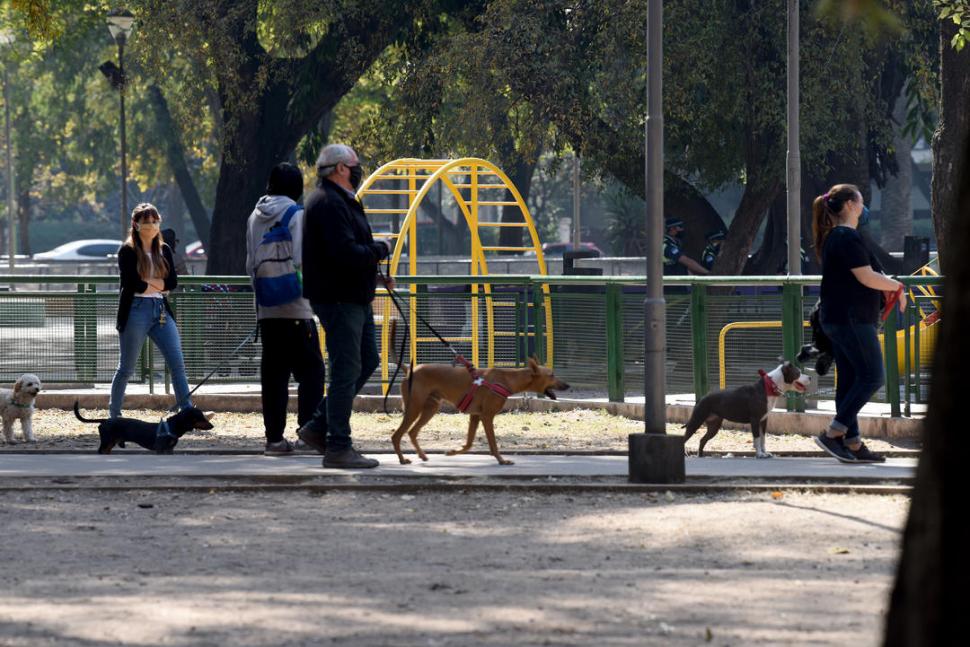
{"type": "Point", "coordinates": [751, 404]}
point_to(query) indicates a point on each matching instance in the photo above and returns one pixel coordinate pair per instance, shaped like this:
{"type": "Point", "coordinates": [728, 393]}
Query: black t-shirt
{"type": "Point", "coordinates": [843, 297]}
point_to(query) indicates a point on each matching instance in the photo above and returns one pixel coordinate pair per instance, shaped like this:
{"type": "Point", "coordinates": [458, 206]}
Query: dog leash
{"type": "Point", "coordinates": [458, 357]}
{"type": "Point", "coordinates": [251, 336]}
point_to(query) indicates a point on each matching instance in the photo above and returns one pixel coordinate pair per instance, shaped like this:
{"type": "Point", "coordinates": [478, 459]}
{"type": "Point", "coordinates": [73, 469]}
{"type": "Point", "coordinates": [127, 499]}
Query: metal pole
{"type": "Point", "coordinates": [11, 215]}
{"type": "Point", "coordinates": [124, 158]}
{"type": "Point", "coordinates": [654, 307]}
{"type": "Point", "coordinates": [794, 162]}
{"type": "Point", "coordinates": [577, 201]}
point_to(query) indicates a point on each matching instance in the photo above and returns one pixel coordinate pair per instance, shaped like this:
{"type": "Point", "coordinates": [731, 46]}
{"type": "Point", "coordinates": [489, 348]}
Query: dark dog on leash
{"type": "Point", "coordinates": [750, 404]}
{"type": "Point", "coordinates": [159, 437]}
{"type": "Point", "coordinates": [821, 347]}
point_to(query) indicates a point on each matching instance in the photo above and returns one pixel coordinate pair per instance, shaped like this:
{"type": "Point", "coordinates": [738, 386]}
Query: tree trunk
{"type": "Point", "coordinates": [242, 178]}
{"type": "Point", "coordinates": [23, 220]}
{"type": "Point", "coordinates": [755, 202]}
{"type": "Point", "coordinates": [521, 176]}
{"type": "Point", "coordinates": [948, 141]}
{"type": "Point", "coordinates": [772, 256]}
{"type": "Point", "coordinates": [175, 156]}
{"type": "Point", "coordinates": [897, 211]}
{"type": "Point", "coordinates": [927, 606]}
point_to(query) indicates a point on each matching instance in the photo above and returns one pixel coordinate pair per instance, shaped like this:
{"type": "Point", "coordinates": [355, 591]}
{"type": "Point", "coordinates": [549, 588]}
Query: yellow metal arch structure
{"type": "Point", "coordinates": [473, 183]}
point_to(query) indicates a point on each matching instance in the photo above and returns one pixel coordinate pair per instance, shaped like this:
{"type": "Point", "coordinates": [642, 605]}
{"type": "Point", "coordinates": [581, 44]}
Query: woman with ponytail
{"type": "Point", "coordinates": [147, 276]}
{"type": "Point", "coordinates": [852, 286]}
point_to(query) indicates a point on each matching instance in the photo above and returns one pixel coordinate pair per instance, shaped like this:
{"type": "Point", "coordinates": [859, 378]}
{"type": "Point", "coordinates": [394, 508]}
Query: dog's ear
{"type": "Point", "coordinates": [19, 384]}
{"type": "Point", "coordinates": [209, 415]}
{"type": "Point", "coordinates": [534, 364]}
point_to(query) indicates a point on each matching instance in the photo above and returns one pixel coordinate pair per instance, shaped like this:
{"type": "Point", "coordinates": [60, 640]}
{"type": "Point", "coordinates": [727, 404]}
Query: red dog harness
{"type": "Point", "coordinates": [771, 389]}
{"type": "Point", "coordinates": [477, 383]}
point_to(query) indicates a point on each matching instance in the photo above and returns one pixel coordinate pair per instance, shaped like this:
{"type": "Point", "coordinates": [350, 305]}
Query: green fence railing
{"type": "Point", "coordinates": [720, 330]}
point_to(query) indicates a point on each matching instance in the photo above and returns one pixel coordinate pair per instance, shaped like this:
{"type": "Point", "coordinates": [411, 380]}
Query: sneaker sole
{"type": "Point", "coordinates": [312, 446]}
{"type": "Point", "coordinates": [841, 459]}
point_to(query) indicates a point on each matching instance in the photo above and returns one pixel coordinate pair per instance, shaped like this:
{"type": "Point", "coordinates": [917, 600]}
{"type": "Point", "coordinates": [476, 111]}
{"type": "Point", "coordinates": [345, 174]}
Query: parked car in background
{"type": "Point", "coordinates": [195, 251]}
{"type": "Point", "coordinates": [558, 249]}
{"type": "Point", "coordinates": [95, 249]}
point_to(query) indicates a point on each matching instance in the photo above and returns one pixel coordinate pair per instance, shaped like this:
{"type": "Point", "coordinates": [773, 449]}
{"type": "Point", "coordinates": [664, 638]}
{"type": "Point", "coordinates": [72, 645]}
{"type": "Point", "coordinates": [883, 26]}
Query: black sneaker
{"type": "Point", "coordinates": [314, 439]}
{"type": "Point", "coordinates": [864, 455]}
{"type": "Point", "coordinates": [281, 448]}
{"type": "Point", "coordinates": [348, 459]}
{"type": "Point", "coordinates": [835, 447]}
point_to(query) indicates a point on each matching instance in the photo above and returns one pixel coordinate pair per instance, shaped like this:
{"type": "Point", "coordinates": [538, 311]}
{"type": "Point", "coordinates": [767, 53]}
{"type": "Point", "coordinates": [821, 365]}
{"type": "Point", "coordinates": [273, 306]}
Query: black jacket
{"type": "Point", "coordinates": [340, 256]}
{"type": "Point", "coordinates": [131, 282]}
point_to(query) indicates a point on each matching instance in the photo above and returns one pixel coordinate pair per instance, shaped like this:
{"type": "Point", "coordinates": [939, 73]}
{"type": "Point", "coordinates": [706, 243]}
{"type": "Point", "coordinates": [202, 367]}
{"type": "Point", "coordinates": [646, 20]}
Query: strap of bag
{"type": "Point", "coordinates": [288, 214]}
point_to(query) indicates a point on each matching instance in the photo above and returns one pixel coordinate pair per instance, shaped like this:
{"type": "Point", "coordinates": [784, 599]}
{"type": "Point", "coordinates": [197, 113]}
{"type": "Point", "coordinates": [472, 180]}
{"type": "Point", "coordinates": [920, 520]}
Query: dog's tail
{"type": "Point", "coordinates": [77, 414]}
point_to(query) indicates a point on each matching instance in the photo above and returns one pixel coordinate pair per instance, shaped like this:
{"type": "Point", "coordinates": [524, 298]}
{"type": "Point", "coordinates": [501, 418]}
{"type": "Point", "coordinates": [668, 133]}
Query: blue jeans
{"type": "Point", "coordinates": [352, 348]}
{"type": "Point", "coordinates": [142, 323]}
{"type": "Point", "coordinates": [858, 358]}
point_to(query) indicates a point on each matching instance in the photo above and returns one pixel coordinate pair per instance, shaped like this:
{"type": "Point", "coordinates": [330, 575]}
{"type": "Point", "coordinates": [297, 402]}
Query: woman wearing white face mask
{"type": "Point", "coordinates": [147, 275]}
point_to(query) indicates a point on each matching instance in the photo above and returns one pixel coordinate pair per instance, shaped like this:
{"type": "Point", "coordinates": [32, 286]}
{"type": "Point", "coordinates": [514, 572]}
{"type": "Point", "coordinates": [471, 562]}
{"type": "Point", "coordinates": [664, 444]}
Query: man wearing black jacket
{"type": "Point", "coordinates": [340, 259]}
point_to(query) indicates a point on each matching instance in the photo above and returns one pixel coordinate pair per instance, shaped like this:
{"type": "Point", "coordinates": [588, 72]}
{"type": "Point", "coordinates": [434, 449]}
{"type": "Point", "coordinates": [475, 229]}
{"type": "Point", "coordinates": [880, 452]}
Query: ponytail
{"type": "Point", "coordinates": [825, 212]}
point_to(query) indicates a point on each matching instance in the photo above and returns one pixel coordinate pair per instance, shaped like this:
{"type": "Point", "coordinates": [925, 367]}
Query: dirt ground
{"type": "Point", "coordinates": [564, 430]}
{"type": "Point", "coordinates": [464, 568]}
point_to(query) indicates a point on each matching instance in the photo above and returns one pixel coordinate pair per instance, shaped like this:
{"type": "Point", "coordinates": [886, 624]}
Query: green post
{"type": "Point", "coordinates": [85, 333]}
{"type": "Point", "coordinates": [614, 343]}
{"type": "Point", "coordinates": [539, 311]}
{"type": "Point", "coordinates": [892, 363]}
{"type": "Point", "coordinates": [907, 368]}
{"type": "Point", "coordinates": [917, 365]}
{"type": "Point", "coordinates": [698, 329]}
{"type": "Point", "coordinates": [791, 330]}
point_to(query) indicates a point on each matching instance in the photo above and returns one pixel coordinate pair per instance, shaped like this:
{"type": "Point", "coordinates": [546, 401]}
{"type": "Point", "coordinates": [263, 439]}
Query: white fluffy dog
{"type": "Point", "coordinates": [18, 404]}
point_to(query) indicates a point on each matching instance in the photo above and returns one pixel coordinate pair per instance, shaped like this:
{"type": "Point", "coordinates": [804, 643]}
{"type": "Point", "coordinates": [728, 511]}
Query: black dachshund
{"type": "Point", "coordinates": [821, 347]}
{"type": "Point", "coordinates": [159, 437]}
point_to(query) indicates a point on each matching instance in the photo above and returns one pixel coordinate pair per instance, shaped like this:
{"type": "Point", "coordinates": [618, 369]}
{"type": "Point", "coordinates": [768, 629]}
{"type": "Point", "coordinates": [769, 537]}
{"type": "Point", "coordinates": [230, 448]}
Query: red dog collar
{"type": "Point", "coordinates": [771, 389]}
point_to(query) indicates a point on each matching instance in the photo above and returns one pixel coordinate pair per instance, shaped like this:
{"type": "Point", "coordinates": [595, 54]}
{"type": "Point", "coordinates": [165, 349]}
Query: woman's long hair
{"type": "Point", "coordinates": [825, 211]}
{"type": "Point", "coordinates": [146, 268]}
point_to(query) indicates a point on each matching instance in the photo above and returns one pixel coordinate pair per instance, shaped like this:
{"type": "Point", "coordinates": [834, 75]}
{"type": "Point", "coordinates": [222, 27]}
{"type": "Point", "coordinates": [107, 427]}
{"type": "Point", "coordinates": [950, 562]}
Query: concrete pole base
{"type": "Point", "coordinates": [656, 458]}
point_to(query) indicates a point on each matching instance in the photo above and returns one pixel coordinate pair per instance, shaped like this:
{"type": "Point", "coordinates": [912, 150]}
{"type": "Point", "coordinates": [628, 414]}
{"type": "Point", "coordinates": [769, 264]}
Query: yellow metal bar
{"type": "Point", "coordinates": [411, 222]}
{"type": "Point", "coordinates": [398, 177]}
{"type": "Point", "coordinates": [385, 235]}
{"type": "Point", "coordinates": [448, 339]}
{"type": "Point", "coordinates": [739, 325]}
{"type": "Point", "coordinates": [473, 226]}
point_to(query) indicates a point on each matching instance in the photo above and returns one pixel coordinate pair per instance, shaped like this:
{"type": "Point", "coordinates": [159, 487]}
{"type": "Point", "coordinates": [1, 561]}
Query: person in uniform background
{"type": "Point", "coordinates": [168, 235]}
{"type": "Point", "coordinates": [676, 263]}
{"type": "Point", "coordinates": [713, 248]}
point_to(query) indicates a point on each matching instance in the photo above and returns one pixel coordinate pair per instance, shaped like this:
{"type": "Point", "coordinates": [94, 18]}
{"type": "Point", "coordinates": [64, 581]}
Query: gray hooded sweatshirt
{"type": "Point", "coordinates": [269, 210]}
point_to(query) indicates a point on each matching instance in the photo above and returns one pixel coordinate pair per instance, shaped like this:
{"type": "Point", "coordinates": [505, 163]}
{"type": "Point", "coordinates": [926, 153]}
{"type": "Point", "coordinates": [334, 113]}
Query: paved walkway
{"type": "Point", "coordinates": [134, 464]}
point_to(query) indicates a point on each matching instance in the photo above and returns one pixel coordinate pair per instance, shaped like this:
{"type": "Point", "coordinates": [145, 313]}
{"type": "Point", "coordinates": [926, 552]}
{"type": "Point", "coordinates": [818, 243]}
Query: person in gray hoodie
{"type": "Point", "coordinates": [289, 334]}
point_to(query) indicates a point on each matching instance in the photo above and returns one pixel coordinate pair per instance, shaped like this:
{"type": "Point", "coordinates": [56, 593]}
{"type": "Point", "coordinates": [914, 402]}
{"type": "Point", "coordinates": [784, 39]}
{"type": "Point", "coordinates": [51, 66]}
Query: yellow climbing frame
{"type": "Point", "coordinates": [474, 183]}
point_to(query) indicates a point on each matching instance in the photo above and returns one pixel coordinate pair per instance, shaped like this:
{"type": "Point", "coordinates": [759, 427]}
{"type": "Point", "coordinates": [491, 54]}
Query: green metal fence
{"type": "Point", "coordinates": [720, 330]}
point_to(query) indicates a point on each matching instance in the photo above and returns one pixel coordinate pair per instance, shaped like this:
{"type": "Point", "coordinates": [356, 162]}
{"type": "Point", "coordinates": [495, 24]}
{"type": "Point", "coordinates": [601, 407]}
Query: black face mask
{"type": "Point", "coordinates": [356, 175]}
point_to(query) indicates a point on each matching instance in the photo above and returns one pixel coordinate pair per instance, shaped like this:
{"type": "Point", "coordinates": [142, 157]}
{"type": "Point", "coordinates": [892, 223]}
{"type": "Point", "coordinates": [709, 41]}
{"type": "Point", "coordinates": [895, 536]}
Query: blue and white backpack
{"type": "Point", "coordinates": [276, 280]}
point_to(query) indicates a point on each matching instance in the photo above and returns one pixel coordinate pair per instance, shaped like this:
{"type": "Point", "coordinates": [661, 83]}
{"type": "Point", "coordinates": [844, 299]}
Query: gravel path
{"type": "Point", "coordinates": [94, 569]}
{"type": "Point", "coordinates": [559, 431]}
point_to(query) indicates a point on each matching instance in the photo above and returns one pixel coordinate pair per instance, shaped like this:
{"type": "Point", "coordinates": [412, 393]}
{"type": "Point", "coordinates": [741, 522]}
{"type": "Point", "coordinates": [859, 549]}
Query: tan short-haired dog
{"type": "Point", "coordinates": [481, 396]}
